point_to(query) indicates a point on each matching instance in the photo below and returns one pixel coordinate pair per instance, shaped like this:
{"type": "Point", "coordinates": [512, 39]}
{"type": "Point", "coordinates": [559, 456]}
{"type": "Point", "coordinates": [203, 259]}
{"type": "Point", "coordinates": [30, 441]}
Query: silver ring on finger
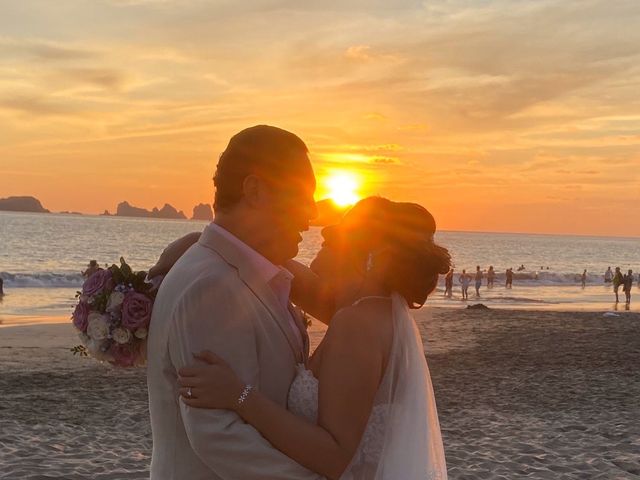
{"type": "Point", "coordinates": [189, 393]}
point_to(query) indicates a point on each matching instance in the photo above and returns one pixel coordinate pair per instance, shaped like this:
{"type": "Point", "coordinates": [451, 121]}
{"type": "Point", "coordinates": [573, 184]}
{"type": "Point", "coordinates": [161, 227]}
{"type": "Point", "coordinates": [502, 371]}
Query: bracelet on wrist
{"type": "Point", "coordinates": [244, 395]}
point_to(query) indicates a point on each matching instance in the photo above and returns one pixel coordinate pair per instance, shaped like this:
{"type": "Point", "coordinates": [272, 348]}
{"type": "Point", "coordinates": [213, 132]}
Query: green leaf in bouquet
{"type": "Point", "coordinates": [126, 270]}
{"type": "Point", "coordinates": [116, 274]}
{"type": "Point", "coordinates": [80, 350]}
{"type": "Point", "coordinates": [100, 301]}
{"type": "Point", "coordinates": [139, 282]}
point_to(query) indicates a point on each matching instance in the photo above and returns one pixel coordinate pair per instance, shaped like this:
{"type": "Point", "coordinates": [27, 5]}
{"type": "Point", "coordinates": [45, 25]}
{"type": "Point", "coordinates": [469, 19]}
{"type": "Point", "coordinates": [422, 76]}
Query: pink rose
{"type": "Point", "coordinates": [136, 311]}
{"type": "Point", "coordinates": [124, 355]}
{"type": "Point", "coordinates": [80, 316]}
{"type": "Point", "coordinates": [97, 282]}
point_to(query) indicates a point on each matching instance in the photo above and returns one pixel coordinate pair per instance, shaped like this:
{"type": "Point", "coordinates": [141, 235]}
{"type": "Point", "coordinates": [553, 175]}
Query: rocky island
{"type": "Point", "coordinates": [127, 210]}
{"type": "Point", "coordinates": [202, 211]}
{"type": "Point", "coordinates": [22, 204]}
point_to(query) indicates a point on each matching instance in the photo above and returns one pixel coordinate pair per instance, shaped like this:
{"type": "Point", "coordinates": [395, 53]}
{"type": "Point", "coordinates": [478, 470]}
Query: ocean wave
{"type": "Point", "coordinates": [72, 280]}
{"type": "Point", "coordinates": [42, 280]}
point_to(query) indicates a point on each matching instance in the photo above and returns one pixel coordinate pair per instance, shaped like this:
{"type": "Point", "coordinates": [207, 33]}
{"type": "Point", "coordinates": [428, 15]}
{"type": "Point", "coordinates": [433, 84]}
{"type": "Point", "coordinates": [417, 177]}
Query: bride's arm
{"type": "Point", "coordinates": [309, 293]}
{"type": "Point", "coordinates": [349, 377]}
{"type": "Point", "coordinates": [172, 253]}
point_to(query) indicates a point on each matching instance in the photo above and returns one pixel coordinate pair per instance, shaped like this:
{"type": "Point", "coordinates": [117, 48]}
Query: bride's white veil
{"type": "Point", "coordinates": [408, 443]}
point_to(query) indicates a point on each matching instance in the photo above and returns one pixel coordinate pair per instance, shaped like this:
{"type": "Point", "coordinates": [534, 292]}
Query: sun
{"type": "Point", "coordinates": [342, 188]}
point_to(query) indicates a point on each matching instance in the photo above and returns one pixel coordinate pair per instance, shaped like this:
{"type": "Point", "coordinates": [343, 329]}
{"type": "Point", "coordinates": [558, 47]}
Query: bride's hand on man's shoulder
{"type": "Point", "coordinates": [209, 383]}
{"type": "Point", "coordinates": [172, 253]}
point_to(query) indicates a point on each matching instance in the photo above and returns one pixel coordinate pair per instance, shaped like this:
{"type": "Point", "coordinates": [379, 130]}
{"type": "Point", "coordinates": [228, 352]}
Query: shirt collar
{"type": "Point", "coordinates": [267, 270]}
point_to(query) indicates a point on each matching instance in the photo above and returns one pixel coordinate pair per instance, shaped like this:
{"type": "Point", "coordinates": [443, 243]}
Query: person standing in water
{"type": "Point", "coordinates": [1, 285]}
{"type": "Point", "coordinates": [583, 278]}
{"type": "Point", "coordinates": [491, 275]}
{"type": "Point", "coordinates": [465, 280]}
{"type": "Point", "coordinates": [627, 282]}
{"type": "Point", "coordinates": [448, 283]}
{"type": "Point", "coordinates": [509, 278]}
{"type": "Point", "coordinates": [608, 275]}
{"type": "Point", "coordinates": [478, 280]}
{"type": "Point", "coordinates": [618, 280]}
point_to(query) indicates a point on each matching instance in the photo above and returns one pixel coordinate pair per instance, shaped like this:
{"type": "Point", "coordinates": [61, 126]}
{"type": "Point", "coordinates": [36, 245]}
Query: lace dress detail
{"type": "Point", "coordinates": [303, 395]}
{"type": "Point", "coordinates": [303, 402]}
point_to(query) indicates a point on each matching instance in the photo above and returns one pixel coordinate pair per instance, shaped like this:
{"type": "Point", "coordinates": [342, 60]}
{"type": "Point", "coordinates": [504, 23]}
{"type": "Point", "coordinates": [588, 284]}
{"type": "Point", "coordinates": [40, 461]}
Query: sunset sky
{"type": "Point", "coordinates": [496, 115]}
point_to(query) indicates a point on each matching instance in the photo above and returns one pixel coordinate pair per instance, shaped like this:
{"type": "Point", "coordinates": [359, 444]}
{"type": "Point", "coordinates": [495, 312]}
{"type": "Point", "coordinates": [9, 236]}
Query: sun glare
{"type": "Point", "coordinates": [342, 188]}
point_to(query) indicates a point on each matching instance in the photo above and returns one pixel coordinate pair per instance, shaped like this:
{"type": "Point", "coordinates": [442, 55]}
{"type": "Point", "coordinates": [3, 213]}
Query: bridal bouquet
{"type": "Point", "coordinates": [112, 316]}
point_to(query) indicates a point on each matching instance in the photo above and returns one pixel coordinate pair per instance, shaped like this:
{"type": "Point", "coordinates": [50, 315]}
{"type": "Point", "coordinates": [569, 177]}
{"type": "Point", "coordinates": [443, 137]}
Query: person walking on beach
{"type": "Point", "coordinates": [491, 275]}
{"type": "Point", "coordinates": [583, 278]}
{"type": "Point", "coordinates": [465, 280]}
{"type": "Point", "coordinates": [1, 285]}
{"type": "Point", "coordinates": [91, 269]}
{"type": "Point", "coordinates": [627, 282]}
{"type": "Point", "coordinates": [448, 283]}
{"type": "Point", "coordinates": [618, 280]}
{"type": "Point", "coordinates": [608, 275]}
{"type": "Point", "coordinates": [478, 280]}
{"type": "Point", "coordinates": [509, 275]}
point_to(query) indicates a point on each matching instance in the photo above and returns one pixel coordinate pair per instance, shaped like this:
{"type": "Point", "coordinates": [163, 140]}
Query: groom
{"type": "Point", "coordinates": [228, 294]}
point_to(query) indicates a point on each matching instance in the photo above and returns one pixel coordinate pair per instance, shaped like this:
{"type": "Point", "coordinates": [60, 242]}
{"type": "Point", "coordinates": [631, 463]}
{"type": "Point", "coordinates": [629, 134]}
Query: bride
{"type": "Point", "coordinates": [362, 407]}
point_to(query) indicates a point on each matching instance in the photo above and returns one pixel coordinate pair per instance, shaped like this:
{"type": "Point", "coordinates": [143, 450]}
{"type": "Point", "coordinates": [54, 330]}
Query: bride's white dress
{"type": "Point", "coordinates": [402, 439]}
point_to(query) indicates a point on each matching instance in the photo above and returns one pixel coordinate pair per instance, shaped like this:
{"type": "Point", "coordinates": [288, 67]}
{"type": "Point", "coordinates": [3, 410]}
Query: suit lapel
{"type": "Point", "coordinates": [234, 256]}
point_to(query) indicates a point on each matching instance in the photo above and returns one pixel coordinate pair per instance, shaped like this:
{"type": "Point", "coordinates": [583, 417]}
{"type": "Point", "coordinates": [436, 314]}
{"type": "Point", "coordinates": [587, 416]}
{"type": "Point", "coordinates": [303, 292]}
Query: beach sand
{"type": "Point", "coordinates": [537, 395]}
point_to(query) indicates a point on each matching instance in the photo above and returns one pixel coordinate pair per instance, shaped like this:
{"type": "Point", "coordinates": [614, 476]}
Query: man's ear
{"type": "Point", "coordinates": [252, 188]}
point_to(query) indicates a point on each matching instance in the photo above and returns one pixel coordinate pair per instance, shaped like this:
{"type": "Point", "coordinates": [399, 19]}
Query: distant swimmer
{"type": "Point", "coordinates": [478, 280]}
{"type": "Point", "coordinates": [583, 278]}
{"type": "Point", "coordinates": [521, 268]}
{"type": "Point", "coordinates": [448, 283]}
{"type": "Point", "coordinates": [465, 280]}
{"type": "Point", "coordinates": [608, 275]}
{"type": "Point", "coordinates": [627, 282]}
{"type": "Point", "coordinates": [618, 280]}
{"type": "Point", "coordinates": [1, 287]}
{"type": "Point", "coordinates": [91, 269]}
{"type": "Point", "coordinates": [509, 275]}
{"type": "Point", "coordinates": [491, 275]}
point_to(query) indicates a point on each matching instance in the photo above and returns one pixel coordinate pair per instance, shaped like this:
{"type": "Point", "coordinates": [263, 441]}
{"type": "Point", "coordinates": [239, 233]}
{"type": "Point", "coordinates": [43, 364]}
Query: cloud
{"type": "Point", "coordinates": [35, 105]}
{"type": "Point", "coordinates": [38, 50]}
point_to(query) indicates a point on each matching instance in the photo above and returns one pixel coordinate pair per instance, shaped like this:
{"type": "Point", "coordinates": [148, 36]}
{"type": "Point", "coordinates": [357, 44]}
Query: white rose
{"type": "Point", "coordinates": [95, 349]}
{"type": "Point", "coordinates": [141, 333]}
{"type": "Point", "coordinates": [97, 328]}
{"type": "Point", "coordinates": [115, 301]}
{"type": "Point", "coordinates": [121, 335]}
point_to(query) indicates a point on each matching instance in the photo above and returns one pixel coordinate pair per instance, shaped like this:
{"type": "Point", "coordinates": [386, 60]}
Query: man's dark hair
{"type": "Point", "coordinates": [269, 152]}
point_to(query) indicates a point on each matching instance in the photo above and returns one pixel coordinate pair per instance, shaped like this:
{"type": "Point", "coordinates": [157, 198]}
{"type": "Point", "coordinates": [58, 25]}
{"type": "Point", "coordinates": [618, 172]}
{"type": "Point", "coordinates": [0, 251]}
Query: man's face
{"type": "Point", "coordinates": [291, 207]}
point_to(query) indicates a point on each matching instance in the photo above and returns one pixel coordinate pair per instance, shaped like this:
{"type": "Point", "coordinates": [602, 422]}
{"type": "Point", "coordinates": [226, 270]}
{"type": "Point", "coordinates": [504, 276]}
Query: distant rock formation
{"type": "Point", "coordinates": [127, 210]}
{"type": "Point", "coordinates": [106, 214]}
{"type": "Point", "coordinates": [328, 213]}
{"type": "Point", "coordinates": [202, 211]}
{"type": "Point", "coordinates": [22, 204]}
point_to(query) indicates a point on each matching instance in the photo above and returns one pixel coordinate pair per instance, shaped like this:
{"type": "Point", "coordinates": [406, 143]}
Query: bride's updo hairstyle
{"type": "Point", "coordinates": [394, 241]}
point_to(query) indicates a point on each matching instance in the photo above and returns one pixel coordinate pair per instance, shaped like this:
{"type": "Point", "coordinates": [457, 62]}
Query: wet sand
{"type": "Point", "coordinates": [538, 395]}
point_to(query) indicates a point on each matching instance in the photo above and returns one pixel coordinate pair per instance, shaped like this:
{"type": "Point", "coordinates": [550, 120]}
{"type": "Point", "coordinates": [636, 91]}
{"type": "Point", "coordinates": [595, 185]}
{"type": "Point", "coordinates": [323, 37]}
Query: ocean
{"type": "Point", "coordinates": [42, 256]}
